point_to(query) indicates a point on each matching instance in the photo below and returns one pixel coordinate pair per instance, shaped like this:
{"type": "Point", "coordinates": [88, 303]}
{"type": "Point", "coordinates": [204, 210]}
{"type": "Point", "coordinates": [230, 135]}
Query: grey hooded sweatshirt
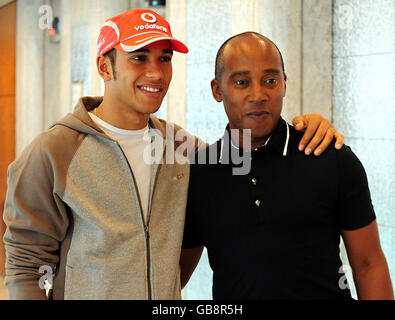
{"type": "Point", "coordinates": [73, 214]}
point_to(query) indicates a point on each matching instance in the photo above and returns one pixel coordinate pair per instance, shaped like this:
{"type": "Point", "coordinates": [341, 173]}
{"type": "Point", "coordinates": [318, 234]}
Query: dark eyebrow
{"type": "Point", "coordinates": [139, 50]}
{"type": "Point", "coordinates": [168, 51]}
{"type": "Point", "coordinates": [276, 71]}
{"type": "Point", "coordinates": [239, 73]}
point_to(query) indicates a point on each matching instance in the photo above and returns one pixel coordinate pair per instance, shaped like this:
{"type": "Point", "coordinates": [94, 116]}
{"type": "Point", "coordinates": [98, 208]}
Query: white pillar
{"type": "Point", "coordinates": [29, 73]}
{"type": "Point", "coordinates": [244, 16]}
{"type": "Point", "coordinates": [363, 100]}
{"type": "Point", "coordinates": [208, 26]}
{"type": "Point", "coordinates": [95, 19]}
{"type": "Point", "coordinates": [98, 12]}
{"type": "Point", "coordinates": [176, 13]}
{"type": "Point", "coordinates": [302, 31]}
{"type": "Point", "coordinates": [65, 59]}
{"type": "Point", "coordinates": [281, 21]}
{"type": "Point", "coordinates": [317, 57]}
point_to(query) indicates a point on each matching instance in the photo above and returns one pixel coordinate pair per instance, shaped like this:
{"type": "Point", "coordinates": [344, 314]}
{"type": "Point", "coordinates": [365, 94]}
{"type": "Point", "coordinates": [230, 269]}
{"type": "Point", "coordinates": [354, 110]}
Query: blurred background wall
{"type": "Point", "coordinates": [339, 59]}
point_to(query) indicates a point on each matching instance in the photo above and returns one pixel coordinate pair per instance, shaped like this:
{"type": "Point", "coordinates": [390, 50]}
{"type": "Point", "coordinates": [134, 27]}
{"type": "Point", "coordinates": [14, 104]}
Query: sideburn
{"type": "Point", "coordinates": [112, 55]}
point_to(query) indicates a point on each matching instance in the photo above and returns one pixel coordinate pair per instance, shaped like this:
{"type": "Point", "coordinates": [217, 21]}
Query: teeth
{"type": "Point", "coordinates": [150, 89]}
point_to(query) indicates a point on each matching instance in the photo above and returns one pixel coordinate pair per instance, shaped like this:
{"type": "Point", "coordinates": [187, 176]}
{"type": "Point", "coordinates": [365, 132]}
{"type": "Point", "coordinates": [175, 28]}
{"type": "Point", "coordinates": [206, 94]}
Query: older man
{"type": "Point", "coordinates": [274, 232]}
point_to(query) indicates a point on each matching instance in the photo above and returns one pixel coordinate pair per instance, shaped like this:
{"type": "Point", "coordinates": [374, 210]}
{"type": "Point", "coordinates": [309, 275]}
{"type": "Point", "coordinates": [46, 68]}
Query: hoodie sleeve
{"type": "Point", "coordinates": [36, 221]}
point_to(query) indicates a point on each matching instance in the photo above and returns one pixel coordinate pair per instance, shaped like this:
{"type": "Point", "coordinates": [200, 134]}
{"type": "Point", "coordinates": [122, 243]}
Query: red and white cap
{"type": "Point", "coordinates": [134, 29]}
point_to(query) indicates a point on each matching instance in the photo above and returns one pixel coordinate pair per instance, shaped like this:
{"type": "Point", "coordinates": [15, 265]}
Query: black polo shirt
{"type": "Point", "coordinates": [274, 233]}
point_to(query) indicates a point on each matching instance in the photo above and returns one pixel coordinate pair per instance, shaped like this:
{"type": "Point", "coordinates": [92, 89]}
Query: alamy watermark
{"type": "Point", "coordinates": [180, 147]}
{"type": "Point", "coordinates": [347, 276]}
{"type": "Point", "coordinates": [46, 281]}
{"type": "Point", "coordinates": [46, 17]}
{"type": "Point", "coordinates": [345, 17]}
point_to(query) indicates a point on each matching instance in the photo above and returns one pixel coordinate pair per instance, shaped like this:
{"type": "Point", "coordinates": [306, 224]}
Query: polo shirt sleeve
{"type": "Point", "coordinates": [194, 213]}
{"type": "Point", "coordinates": [355, 208]}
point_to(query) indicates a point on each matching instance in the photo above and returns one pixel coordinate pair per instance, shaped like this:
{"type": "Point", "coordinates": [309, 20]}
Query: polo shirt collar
{"type": "Point", "coordinates": [280, 137]}
{"type": "Point", "coordinates": [279, 140]}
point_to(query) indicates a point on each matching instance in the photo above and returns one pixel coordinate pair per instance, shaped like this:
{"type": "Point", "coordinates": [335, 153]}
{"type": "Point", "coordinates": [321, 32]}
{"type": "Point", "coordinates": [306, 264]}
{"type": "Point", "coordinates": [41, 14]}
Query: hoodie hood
{"type": "Point", "coordinates": [80, 120]}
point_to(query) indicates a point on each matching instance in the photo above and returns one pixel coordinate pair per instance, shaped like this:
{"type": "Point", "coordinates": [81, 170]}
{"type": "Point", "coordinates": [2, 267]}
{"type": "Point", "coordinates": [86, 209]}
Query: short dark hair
{"type": "Point", "coordinates": [112, 54]}
{"type": "Point", "coordinates": [219, 61]}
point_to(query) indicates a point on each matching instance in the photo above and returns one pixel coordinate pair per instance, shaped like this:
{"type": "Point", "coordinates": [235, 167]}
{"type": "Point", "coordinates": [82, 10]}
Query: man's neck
{"type": "Point", "coordinates": [240, 141]}
{"type": "Point", "coordinates": [120, 115]}
{"type": "Point", "coordinates": [257, 143]}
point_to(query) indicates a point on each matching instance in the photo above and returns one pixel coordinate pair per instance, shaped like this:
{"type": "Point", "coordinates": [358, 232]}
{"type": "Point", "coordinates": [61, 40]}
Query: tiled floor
{"type": "Point", "coordinates": [3, 290]}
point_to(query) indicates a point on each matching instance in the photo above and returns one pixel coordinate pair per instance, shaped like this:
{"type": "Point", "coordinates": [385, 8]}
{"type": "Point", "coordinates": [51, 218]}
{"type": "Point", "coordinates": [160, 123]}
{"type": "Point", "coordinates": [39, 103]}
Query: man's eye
{"type": "Point", "coordinates": [271, 81]}
{"type": "Point", "coordinates": [241, 82]}
{"type": "Point", "coordinates": [166, 59]}
{"type": "Point", "coordinates": [139, 58]}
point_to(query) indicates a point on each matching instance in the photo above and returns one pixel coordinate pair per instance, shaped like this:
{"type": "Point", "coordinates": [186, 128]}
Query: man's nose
{"type": "Point", "coordinates": [154, 71]}
{"type": "Point", "coordinates": [257, 93]}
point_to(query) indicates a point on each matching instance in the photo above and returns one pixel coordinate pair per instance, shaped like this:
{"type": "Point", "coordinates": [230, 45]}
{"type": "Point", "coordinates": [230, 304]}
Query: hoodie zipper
{"type": "Point", "coordinates": [146, 225]}
{"type": "Point", "coordinates": [148, 262]}
{"type": "Point", "coordinates": [147, 237]}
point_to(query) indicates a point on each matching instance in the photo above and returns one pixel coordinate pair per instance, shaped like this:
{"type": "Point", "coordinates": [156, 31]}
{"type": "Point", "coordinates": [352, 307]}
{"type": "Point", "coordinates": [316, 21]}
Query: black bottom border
{"type": "Point", "coordinates": [198, 309]}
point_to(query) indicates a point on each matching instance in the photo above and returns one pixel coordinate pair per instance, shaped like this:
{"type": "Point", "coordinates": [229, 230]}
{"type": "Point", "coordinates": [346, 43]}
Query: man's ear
{"type": "Point", "coordinates": [216, 90]}
{"type": "Point", "coordinates": [285, 83]}
{"type": "Point", "coordinates": [104, 68]}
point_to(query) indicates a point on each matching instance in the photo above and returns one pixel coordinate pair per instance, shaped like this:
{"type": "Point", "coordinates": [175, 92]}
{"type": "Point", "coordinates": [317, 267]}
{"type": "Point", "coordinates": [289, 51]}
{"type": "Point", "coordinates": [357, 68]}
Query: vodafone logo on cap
{"type": "Point", "coordinates": [148, 17]}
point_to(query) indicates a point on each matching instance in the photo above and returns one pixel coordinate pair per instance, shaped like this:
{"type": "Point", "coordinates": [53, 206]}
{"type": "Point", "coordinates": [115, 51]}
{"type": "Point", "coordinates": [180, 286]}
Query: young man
{"type": "Point", "coordinates": [84, 205]}
{"type": "Point", "coordinates": [274, 233]}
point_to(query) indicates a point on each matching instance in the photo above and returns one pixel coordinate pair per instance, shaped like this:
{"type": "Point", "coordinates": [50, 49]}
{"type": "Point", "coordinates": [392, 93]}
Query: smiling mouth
{"type": "Point", "coordinates": [150, 89]}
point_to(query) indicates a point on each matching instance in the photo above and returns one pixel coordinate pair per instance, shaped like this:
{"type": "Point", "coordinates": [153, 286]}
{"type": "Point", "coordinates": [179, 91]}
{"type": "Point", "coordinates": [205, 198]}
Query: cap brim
{"type": "Point", "coordinates": [139, 42]}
